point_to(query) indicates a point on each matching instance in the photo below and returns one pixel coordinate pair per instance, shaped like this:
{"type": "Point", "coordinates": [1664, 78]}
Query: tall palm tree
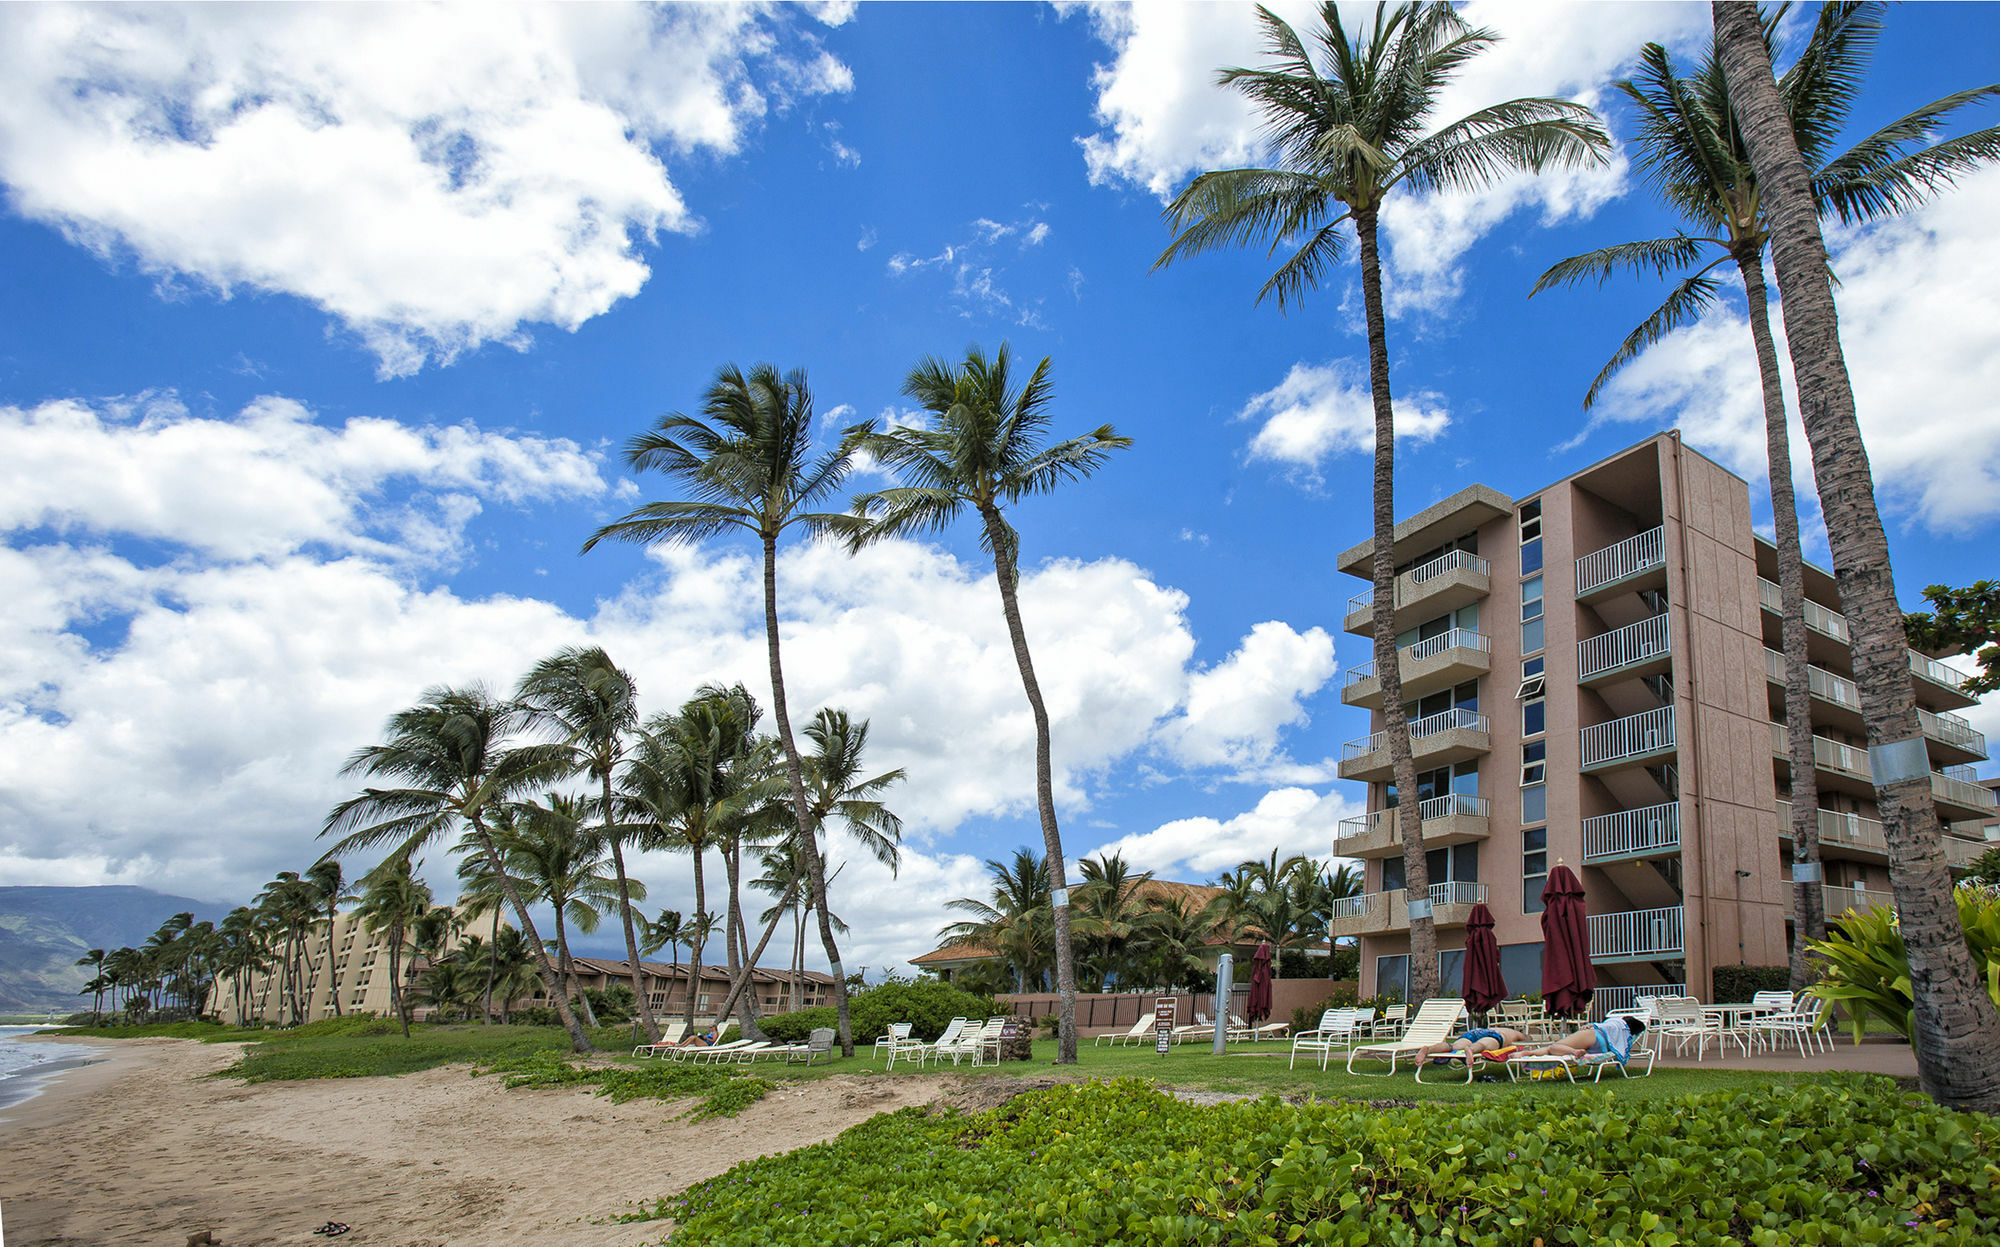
{"type": "Point", "coordinates": [748, 460]}
{"type": "Point", "coordinates": [1956, 1025]}
{"type": "Point", "coordinates": [392, 898]}
{"type": "Point", "coordinates": [561, 860]}
{"type": "Point", "coordinates": [1015, 921]}
{"type": "Point", "coordinates": [696, 931]}
{"type": "Point", "coordinates": [1692, 151]}
{"type": "Point", "coordinates": [94, 959]}
{"type": "Point", "coordinates": [987, 449]}
{"type": "Point", "coordinates": [482, 895]}
{"type": "Point", "coordinates": [329, 886]}
{"type": "Point", "coordinates": [663, 932]}
{"type": "Point", "coordinates": [1347, 128]}
{"type": "Point", "coordinates": [451, 749]}
{"type": "Point", "coordinates": [592, 706]}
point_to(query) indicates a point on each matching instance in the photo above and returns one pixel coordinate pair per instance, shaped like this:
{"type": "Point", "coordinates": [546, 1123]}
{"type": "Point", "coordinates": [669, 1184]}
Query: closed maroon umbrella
{"type": "Point", "coordinates": [1482, 985]}
{"type": "Point", "coordinates": [1259, 1006]}
{"type": "Point", "coordinates": [1568, 979]}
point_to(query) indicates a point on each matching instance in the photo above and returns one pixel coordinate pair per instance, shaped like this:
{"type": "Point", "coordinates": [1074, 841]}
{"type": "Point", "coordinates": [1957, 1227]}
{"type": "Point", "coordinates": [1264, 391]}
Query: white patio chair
{"type": "Point", "coordinates": [1433, 1024]}
{"type": "Point", "coordinates": [1336, 1029]}
{"type": "Point", "coordinates": [898, 1031]}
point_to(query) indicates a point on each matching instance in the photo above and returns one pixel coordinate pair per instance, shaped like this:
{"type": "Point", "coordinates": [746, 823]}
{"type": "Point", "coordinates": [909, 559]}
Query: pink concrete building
{"type": "Point", "coordinates": [1592, 677]}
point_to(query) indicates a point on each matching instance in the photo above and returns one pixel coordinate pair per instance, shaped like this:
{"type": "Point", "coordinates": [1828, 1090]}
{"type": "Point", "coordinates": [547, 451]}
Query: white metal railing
{"type": "Point", "coordinates": [1952, 730]}
{"type": "Point", "coordinates": [1448, 721]}
{"type": "Point", "coordinates": [1607, 1000]}
{"type": "Point", "coordinates": [1821, 619]}
{"type": "Point", "coordinates": [1829, 754]}
{"type": "Point", "coordinates": [1455, 892]}
{"type": "Point", "coordinates": [1408, 584]}
{"type": "Point", "coordinates": [1839, 900]}
{"type": "Point", "coordinates": [1820, 682]}
{"type": "Point", "coordinates": [1447, 806]}
{"type": "Point", "coordinates": [1632, 831]}
{"type": "Point", "coordinates": [1458, 893]}
{"type": "Point", "coordinates": [1937, 673]}
{"type": "Point", "coordinates": [1430, 647]}
{"type": "Point", "coordinates": [1628, 737]}
{"type": "Point", "coordinates": [1634, 643]}
{"type": "Point", "coordinates": [1640, 933]}
{"type": "Point", "coordinates": [1355, 906]}
{"type": "Point", "coordinates": [1627, 558]}
{"type": "Point", "coordinates": [1961, 791]}
{"type": "Point", "coordinates": [1839, 827]}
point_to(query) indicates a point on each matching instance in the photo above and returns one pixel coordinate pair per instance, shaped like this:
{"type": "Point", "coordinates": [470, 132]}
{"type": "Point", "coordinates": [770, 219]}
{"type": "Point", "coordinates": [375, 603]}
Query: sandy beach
{"type": "Point", "coordinates": [140, 1148]}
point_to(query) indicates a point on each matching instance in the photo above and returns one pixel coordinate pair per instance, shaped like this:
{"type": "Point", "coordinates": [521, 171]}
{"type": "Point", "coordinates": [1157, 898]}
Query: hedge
{"type": "Point", "coordinates": [929, 1006]}
{"type": "Point", "coordinates": [1835, 1161]}
{"type": "Point", "coordinates": [1737, 984]}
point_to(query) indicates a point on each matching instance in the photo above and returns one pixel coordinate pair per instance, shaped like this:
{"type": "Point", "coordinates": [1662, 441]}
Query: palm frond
{"type": "Point", "coordinates": [675, 523]}
{"type": "Point", "coordinates": [1528, 135]}
{"type": "Point", "coordinates": [1070, 460]}
{"type": "Point", "coordinates": [1659, 257]}
{"type": "Point", "coordinates": [1879, 177]}
{"type": "Point", "coordinates": [1233, 207]}
{"type": "Point", "coordinates": [1688, 300]}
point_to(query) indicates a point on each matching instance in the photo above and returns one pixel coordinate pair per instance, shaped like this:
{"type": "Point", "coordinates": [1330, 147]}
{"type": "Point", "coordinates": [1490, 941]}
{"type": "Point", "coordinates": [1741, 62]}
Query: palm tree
{"type": "Point", "coordinates": [663, 932]}
{"type": "Point", "coordinates": [451, 748]}
{"type": "Point", "coordinates": [392, 898]}
{"type": "Point", "coordinates": [329, 885]}
{"type": "Point", "coordinates": [1014, 922]}
{"type": "Point", "coordinates": [1692, 151]}
{"type": "Point", "coordinates": [748, 461]}
{"type": "Point", "coordinates": [1345, 136]}
{"type": "Point", "coordinates": [1177, 931]}
{"type": "Point", "coordinates": [94, 959]}
{"type": "Point", "coordinates": [985, 451]}
{"type": "Point", "coordinates": [592, 706]}
{"type": "Point", "coordinates": [482, 894]}
{"type": "Point", "coordinates": [561, 862]}
{"type": "Point", "coordinates": [695, 933]}
{"type": "Point", "coordinates": [1956, 1025]}
{"type": "Point", "coordinates": [1109, 915]}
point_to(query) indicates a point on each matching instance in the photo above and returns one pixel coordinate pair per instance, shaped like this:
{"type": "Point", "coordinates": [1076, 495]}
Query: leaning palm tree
{"type": "Point", "coordinates": [1348, 126]}
{"type": "Point", "coordinates": [392, 900]}
{"type": "Point", "coordinates": [561, 862]}
{"type": "Point", "coordinates": [591, 705]}
{"type": "Point", "coordinates": [451, 750]}
{"type": "Point", "coordinates": [748, 460]}
{"type": "Point", "coordinates": [985, 450]}
{"type": "Point", "coordinates": [94, 960]}
{"type": "Point", "coordinates": [1957, 1028]}
{"type": "Point", "coordinates": [1691, 148]}
{"type": "Point", "coordinates": [663, 932]}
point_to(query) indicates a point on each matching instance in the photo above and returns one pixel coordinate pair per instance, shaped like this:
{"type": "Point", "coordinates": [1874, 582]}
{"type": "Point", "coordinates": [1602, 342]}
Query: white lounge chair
{"type": "Point", "coordinates": [1141, 1030]}
{"type": "Point", "coordinates": [669, 1038]}
{"type": "Point", "coordinates": [1336, 1029]}
{"type": "Point", "coordinates": [974, 1041]}
{"type": "Point", "coordinates": [1642, 1046]}
{"type": "Point", "coordinates": [1261, 1031]}
{"type": "Point", "coordinates": [1200, 1027]}
{"type": "Point", "coordinates": [1432, 1025]}
{"type": "Point", "coordinates": [708, 1052]}
{"type": "Point", "coordinates": [739, 1053]}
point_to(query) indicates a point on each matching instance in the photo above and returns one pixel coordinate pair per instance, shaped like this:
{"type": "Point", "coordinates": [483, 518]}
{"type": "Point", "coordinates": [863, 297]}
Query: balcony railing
{"type": "Point", "coordinates": [1819, 618]}
{"type": "Point", "coordinates": [1627, 558]}
{"type": "Point", "coordinates": [1839, 900]}
{"type": "Point", "coordinates": [1839, 827]}
{"type": "Point", "coordinates": [1628, 645]}
{"type": "Point", "coordinates": [1409, 584]}
{"type": "Point", "coordinates": [1822, 683]}
{"type": "Point", "coordinates": [1457, 638]}
{"type": "Point", "coordinates": [1354, 906]}
{"type": "Point", "coordinates": [1937, 673]}
{"type": "Point", "coordinates": [1631, 736]}
{"type": "Point", "coordinates": [1632, 831]}
{"type": "Point", "coordinates": [1828, 755]}
{"type": "Point", "coordinates": [1960, 790]}
{"type": "Point", "coordinates": [1450, 805]}
{"type": "Point", "coordinates": [1639, 933]}
{"type": "Point", "coordinates": [1952, 730]}
{"type": "Point", "coordinates": [1392, 912]}
{"type": "Point", "coordinates": [1450, 721]}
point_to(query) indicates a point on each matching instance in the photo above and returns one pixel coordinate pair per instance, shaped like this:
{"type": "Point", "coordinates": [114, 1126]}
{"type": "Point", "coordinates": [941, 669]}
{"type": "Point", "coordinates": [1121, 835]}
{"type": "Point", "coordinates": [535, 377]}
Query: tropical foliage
{"type": "Point", "coordinates": [1867, 968]}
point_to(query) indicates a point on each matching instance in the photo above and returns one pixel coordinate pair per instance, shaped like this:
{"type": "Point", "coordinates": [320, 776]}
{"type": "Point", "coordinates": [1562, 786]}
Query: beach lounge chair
{"type": "Point", "coordinates": [1263, 1030]}
{"type": "Point", "coordinates": [973, 1042]}
{"type": "Point", "coordinates": [1201, 1027]}
{"type": "Point", "coordinates": [706, 1052]}
{"type": "Point", "coordinates": [739, 1052]}
{"type": "Point", "coordinates": [898, 1031]}
{"type": "Point", "coordinates": [1141, 1030]}
{"type": "Point", "coordinates": [919, 1051]}
{"type": "Point", "coordinates": [669, 1038]}
{"type": "Point", "coordinates": [818, 1044]}
{"type": "Point", "coordinates": [1336, 1029]}
{"type": "Point", "coordinates": [1432, 1025]}
{"type": "Point", "coordinates": [1642, 1046]}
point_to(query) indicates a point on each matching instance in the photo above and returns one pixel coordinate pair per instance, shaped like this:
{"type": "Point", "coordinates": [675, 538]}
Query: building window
{"type": "Point", "coordinates": [1533, 682]}
{"type": "Point", "coordinates": [1534, 805]}
{"type": "Point", "coordinates": [1534, 719]}
{"type": "Point", "coordinates": [1521, 967]}
{"type": "Point", "coordinates": [1451, 971]}
{"type": "Point", "coordinates": [1392, 976]}
{"type": "Point", "coordinates": [1457, 864]}
{"type": "Point", "coordinates": [1531, 615]}
{"type": "Point", "coordinates": [1534, 868]}
{"type": "Point", "coordinates": [1531, 537]}
{"type": "Point", "coordinates": [1534, 762]}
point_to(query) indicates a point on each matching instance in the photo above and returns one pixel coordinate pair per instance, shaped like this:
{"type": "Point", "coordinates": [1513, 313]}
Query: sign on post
{"type": "Point", "coordinates": [1163, 1023]}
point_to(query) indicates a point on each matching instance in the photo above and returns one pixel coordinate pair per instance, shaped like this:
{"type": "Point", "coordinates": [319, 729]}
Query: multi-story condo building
{"type": "Point", "coordinates": [343, 956]}
{"type": "Point", "coordinates": [1592, 676]}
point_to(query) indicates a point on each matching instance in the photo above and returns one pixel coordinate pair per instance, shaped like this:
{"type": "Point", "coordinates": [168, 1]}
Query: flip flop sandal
{"type": "Point", "coordinates": [332, 1229]}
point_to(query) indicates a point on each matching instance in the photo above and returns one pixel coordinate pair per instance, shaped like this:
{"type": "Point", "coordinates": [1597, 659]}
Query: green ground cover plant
{"type": "Point", "coordinates": [1843, 1159]}
{"type": "Point", "coordinates": [724, 1091]}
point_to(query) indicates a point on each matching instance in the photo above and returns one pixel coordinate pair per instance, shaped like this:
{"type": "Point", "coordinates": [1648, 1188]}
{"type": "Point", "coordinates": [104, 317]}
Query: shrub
{"type": "Point", "coordinates": [612, 1004]}
{"type": "Point", "coordinates": [533, 1015]}
{"type": "Point", "coordinates": [1834, 1161]}
{"type": "Point", "coordinates": [1868, 969]}
{"type": "Point", "coordinates": [1737, 984]}
{"type": "Point", "coordinates": [928, 1005]}
{"type": "Point", "coordinates": [1306, 1017]}
{"type": "Point", "coordinates": [796, 1027]}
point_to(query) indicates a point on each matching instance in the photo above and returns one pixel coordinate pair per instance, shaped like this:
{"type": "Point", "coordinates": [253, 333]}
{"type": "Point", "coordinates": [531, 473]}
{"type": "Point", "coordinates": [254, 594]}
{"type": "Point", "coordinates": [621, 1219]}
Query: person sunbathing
{"type": "Point", "coordinates": [1599, 1039]}
{"type": "Point", "coordinates": [1475, 1042]}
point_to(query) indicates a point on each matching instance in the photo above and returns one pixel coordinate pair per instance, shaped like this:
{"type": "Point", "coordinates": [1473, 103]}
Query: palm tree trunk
{"type": "Point", "coordinates": [1423, 973]}
{"type": "Point", "coordinates": [1005, 571]}
{"type": "Point", "coordinates": [646, 1018]}
{"type": "Point", "coordinates": [396, 977]}
{"type": "Point", "coordinates": [739, 967]}
{"type": "Point", "coordinates": [795, 771]}
{"type": "Point", "coordinates": [1956, 1028]}
{"type": "Point", "coordinates": [568, 966]}
{"type": "Point", "coordinates": [492, 968]}
{"type": "Point", "coordinates": [694, 951]}
{"type": "Point", "coordinates": [798, 957]}
{"type": "Point", "coordinates": [550, 979]}
{"type": "Point", "coordinates": [1808, 901]}
{"type": "Point", "coordinates": [739, 982]}
{"type": "Point", "coordinates": [333, 975]}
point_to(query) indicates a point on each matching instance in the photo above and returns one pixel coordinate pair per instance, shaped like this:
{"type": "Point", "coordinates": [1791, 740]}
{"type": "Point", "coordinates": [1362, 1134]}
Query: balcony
{"type": "Point", "coordinates": [1845, 768]}
{"type": "Point", "coordinates": [1629, 741]}
{"type": "Point", "coordinates": [1375, 913]}
{"type": "Point", "coordinates": [1455, 818]}
{"type": "Point", "coordinates": [1654, 831]}
{"type": "Point", "coordinates": [1454, 736]}
{"type": "Point", "coordinates": [1952, 738]}
{"type": "Point", "coordinates": [1851, 837]}
{"type": "Point", "coordinates": [1643, 648]}
{"type": "Point", "coordinates": [1838, 900]}
{"type": "Point", "coordinates": [1429, 666]}
{"type": "Point", "coordinates": [1444, 584]}
{"type": "Point", "coordinates": [1958, 798]}
{"type": "Point", "coordinates": [1938, 686]}
{"type": "Point", "coordinates": [1636, 563]}
{"type": "Point", "coordinates": [1637, 935]}
{"type": "Point", "coordinates": [1829, 623]}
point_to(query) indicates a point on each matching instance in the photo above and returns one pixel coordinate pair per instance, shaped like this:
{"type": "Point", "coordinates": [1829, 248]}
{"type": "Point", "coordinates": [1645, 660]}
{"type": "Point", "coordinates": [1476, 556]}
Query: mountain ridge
{"type": "Point", "coordinates": [43, 930]}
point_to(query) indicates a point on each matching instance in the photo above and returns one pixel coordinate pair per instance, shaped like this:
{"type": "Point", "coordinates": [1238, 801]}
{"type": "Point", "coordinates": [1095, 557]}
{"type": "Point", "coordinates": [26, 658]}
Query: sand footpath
{"type": "Point", "coordinates": [141, 1148]}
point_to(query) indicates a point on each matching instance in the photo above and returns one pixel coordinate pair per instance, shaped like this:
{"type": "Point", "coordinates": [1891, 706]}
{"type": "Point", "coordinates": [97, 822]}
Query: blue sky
{"type": "Point", "coordinates": [320, 331]}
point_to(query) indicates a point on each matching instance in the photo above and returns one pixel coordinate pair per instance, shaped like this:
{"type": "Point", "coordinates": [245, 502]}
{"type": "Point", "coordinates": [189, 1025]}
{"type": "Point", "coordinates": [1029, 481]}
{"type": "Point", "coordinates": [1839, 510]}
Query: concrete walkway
{"type": "Point", "coordinates": [1868, 1058]}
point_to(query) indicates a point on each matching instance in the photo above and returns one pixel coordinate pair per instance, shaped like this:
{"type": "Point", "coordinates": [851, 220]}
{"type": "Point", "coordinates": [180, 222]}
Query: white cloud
{"type": "Point", "coordinates": [1163, 118]}
{"type": "Point", "coordinates": [1289, 820]}
{"type": "Point", "coordinates": [1327, 409]}
{"type": "Point", "coordinates": [1237, 710]}
{"type": "Point", "coordinates": [434, 177]}
{"type": "Point", "coordinates": [1920, 325]}
{"type": "Point", "coordinates": [976, 266]}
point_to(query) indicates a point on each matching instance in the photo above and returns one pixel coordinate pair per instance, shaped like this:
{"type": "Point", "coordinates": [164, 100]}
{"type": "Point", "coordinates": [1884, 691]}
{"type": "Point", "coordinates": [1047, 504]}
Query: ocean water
{"type": "Point", "coordinates": [25, 1066]}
